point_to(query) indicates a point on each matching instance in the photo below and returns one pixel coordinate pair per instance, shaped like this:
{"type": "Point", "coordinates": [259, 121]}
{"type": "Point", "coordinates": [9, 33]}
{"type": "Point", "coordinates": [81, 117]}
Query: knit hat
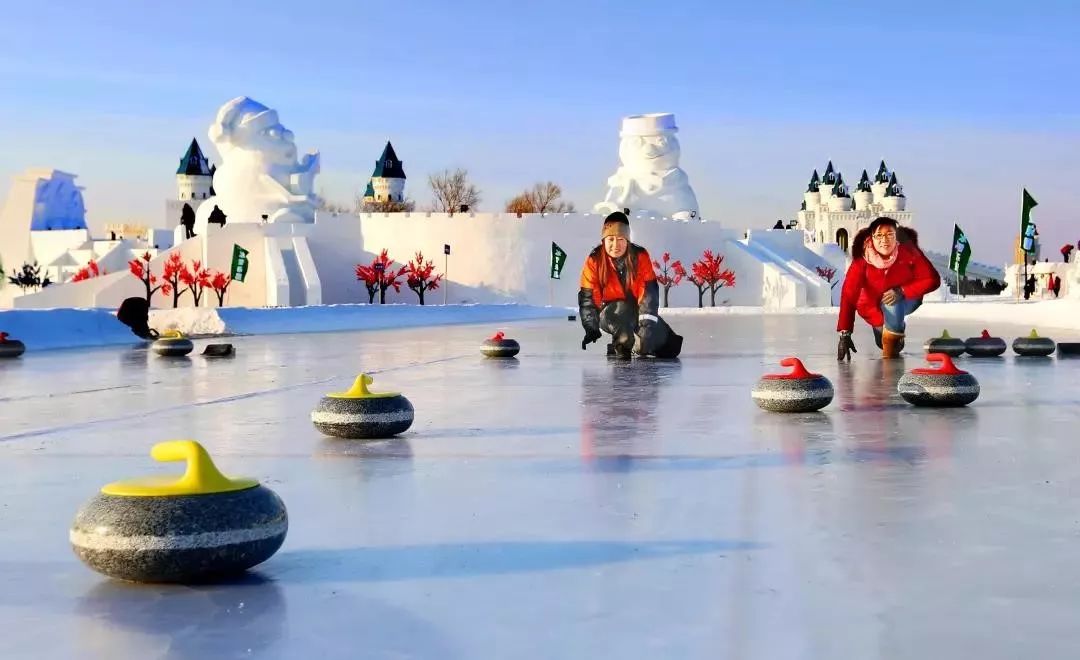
{"type": "Point", "coordinates": [616, 224]}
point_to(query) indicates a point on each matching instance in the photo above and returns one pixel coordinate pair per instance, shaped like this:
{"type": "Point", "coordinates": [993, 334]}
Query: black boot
{"type": "Point", "coordinates": [877, 335]}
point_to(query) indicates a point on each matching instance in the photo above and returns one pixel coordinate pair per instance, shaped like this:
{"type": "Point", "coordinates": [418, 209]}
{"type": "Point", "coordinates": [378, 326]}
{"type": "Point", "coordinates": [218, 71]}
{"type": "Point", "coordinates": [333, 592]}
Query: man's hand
{"type": "Point", "coordinates": [892, 296]}
{"type": "Point", "coordinates": [845, 347]}
{"type": "Point", "coordinates": [590, 336]}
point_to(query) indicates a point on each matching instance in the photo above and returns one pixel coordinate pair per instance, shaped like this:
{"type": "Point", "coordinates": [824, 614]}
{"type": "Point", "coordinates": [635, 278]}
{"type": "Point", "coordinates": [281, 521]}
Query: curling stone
{"type": "Point", "coordinates": [195, 528]}
{"type": "Point", "coordinates": [172, 344]}
{"type": "Point", "coordinates": [798, 391]}
{"type": "Point", "coordinates": [499, 346]}
{"type": "Point", "coordinates": [218, 350]}
{"type": "Point", "coordinates": [984, 345]}
{"type": "Point", "coordinates": [1068, 349]}
{"type": "Point", "coordinates": [1033, 345]}
{"type": "Point", "coordinates": [942, 388]}
{"type": "Point", "coordinates": [946, 343]}
{"type": "Point", "coordinates": [10, 348]}
{"type": "Point", "coordinates": [360, 414]}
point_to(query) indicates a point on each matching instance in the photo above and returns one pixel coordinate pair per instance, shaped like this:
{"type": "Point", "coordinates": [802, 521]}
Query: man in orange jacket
{"type": "Point", "coordinates": [619, 295]}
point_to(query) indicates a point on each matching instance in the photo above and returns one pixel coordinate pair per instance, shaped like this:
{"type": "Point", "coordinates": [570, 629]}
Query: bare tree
{"type": "Point", "coordinates": [384, 206]}
{"type": "Point", "coordinates": [543, 198]}
{"type": "Point", "coordinates": [452, 191]}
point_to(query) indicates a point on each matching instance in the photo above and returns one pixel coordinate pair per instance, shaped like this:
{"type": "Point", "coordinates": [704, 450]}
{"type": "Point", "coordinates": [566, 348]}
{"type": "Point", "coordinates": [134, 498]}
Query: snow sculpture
{"type": "Point", "coordinates": [649, 178]}
{"type": "Point", "coordinates": [259, 174]}
{"type": "Point", "coordinates": [58, 202]}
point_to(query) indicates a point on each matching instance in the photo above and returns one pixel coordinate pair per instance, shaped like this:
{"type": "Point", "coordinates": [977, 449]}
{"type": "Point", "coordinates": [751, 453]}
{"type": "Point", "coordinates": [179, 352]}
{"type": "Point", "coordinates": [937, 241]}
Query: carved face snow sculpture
{"type": "Point", "coordinates": [649, 179]}
{"type": "Point", "coordinates": [259, 174]}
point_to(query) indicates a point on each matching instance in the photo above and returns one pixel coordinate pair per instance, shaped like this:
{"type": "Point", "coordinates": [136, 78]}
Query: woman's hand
{"type": "Point", "coordinates": [892, 296]}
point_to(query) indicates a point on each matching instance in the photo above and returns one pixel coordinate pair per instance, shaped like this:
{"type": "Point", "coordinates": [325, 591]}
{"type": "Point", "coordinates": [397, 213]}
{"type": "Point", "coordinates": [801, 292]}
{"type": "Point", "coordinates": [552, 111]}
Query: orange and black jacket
{"type": "Point", "coordinates": [605, 280]}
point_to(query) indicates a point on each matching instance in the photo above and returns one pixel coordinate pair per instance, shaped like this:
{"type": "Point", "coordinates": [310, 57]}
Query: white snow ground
{"type": "Point", "coordinates": [562, 505]}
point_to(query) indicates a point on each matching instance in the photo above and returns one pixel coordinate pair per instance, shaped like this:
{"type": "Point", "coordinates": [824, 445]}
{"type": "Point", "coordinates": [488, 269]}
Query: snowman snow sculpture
{"type": "Point", "coordinates": [649, 178]}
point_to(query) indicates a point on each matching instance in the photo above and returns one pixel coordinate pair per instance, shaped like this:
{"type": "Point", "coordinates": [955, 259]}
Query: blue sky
{"type": "Point", "coordinates": [967, 101]}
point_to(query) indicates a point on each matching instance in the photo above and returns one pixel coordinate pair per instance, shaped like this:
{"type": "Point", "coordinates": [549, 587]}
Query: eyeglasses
{"type": "Point", "coordinates": [888, 235]}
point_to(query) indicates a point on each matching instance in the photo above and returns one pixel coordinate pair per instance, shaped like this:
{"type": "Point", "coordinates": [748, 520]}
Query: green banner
{"type": "Point", "coordinates": [239, 263]}
{"type": "Point", "coordinates": [558, 259]}
{"type": "Point", "coordinates": [1027, 227]}
{"type": "Point", "coordinates": [961, 252]}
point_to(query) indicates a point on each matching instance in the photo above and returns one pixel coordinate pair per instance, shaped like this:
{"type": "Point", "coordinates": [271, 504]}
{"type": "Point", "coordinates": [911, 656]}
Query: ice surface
{"type": "Point", "coordinates": [563, 505]}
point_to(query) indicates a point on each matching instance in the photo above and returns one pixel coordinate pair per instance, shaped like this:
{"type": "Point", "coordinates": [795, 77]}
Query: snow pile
{"type": "Point", "coordinates": [42, 329]}
{"type": "Point", "coordinates": [329, 318]}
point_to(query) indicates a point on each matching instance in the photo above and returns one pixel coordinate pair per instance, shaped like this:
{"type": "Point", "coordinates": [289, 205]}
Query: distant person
{"type": "Point", "coordinates": [885, 283]}
{"type": "Point", "coordinates": [1056, 286]}
{"type": "Point", "coordinates": [135, 314]}
{"type": "Point", "coordinates": [619, 295]}
{"type": "Point", "coordinates": [187, 219]}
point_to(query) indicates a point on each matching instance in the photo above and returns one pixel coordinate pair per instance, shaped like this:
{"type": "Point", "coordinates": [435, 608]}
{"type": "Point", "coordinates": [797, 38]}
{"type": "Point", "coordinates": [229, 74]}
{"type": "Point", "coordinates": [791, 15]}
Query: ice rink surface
{"type": "Point", "coordinates": [563, 505]}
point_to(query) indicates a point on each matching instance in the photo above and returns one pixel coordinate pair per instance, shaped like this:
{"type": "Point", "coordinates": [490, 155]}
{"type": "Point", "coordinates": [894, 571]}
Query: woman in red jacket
{"type": "Point", "coordinates": [886, 281]}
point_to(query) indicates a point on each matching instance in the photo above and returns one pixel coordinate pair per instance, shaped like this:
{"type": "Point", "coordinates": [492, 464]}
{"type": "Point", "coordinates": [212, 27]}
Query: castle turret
{"type": "Point", "coordinates": [894, 199]}
{"type": "Point", "coordinates": [864, 195]}
{"type": "Point", "coordinates": [812, 196]}
{"type": "Point", "coordinates": [388, 180]}
{"type": "Point", "coordinates": [840, 200]}
{"type": "Point", "coordinates": [829, 178]}
{"type": "Point", "coordinates": [881, 182]}
{"type": "Point", "coordinates": [194, 178]}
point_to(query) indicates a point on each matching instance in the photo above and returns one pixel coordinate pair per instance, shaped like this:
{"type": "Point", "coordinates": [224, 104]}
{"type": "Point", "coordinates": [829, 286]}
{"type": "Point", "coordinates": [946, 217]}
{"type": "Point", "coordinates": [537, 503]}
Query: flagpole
{"type": "Point", "coordinates": [446, 277]}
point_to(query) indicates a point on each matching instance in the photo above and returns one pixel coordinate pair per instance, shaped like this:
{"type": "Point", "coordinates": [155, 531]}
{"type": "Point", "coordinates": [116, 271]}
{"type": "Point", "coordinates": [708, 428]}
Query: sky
{"type": "Point", "coordinates": [968, 102]}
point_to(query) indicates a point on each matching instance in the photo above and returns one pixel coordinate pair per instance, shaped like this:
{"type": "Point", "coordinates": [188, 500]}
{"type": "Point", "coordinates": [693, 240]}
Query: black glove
{"type": "Point", "coordinates": [590, 336]}
{"type": "Point", "coordinates": [845, 347]}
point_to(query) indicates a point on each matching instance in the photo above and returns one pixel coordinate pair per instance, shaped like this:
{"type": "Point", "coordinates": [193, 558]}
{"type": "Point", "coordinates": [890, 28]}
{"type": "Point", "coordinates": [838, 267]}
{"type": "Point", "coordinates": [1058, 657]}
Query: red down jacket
{"type": "Point", "coordinates": [864, 284]}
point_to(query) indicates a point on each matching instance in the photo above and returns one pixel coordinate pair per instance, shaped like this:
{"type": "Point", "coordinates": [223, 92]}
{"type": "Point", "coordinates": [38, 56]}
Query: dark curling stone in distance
{"type": "Point", "coordinates": [10, 348]}
{"type": "Point", "coordinates": [1068, 349]}
{"type": "Point", "coordinates": [197, 528]}
{"type": "Point", "coordinates": [1033, 345]}
{"type": "Point", "coordinates": [218, 350]}
{"type": "Point", "coordinates": [946, 343]}
{"type": "Point", "coordinates": [984, 345]}
{"type": "Point", "coordinates": [360, 414]}
{"type": "Point", "coordinates": [943, 388]}
{"type": "Point", "coordinates": [798, 391]}
{"type": "Point", "coordinates": [172, 344]}
{"type": "Point", "coordinates": [498, 346]}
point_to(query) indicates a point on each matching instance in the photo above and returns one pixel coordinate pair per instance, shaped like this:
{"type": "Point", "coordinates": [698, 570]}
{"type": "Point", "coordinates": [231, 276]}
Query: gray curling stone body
{"type": "Point", "coordinates": [799, 391]}
{"type": "Point", "coordinates": [179, 538]}
{"type": "Point", "coordinates": [11, 348]}
{"type": "Point", "coordinates": [360, 415]}
{"type": "Point", "coordinates": [951, 346]}
{"type": "Point", "coordinates": [985, 345]}
{"type": "Point", "coordinates": [1033, 346]}
{"type": "Point", "coordinates": [172, 346]}
{"type": "Point", "coordinates": [941, 388]}
{"type": "Point", "coordinates": [500, 348]}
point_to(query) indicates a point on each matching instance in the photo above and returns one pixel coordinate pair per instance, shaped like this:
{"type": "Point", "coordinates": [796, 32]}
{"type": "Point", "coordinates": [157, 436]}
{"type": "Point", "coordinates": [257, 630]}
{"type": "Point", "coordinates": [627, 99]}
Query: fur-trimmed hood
{"type": "Point", "coordinates": [904, 235]}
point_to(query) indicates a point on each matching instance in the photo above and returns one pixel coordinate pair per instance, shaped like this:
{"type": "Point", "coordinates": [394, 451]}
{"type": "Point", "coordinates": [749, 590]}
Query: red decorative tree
{"type": "Point", "coordinates": [670, 273]}
{"type": "Point", "coordinates": [380, 276]}
{"type": "Point", "coordinates": [174, 272]}
{"type": "Point", "coordinates": [220, 282]}
{"type": "Point", "coordinates": [418, 276]}
{"type": "Point", "coordinates": [88, 271]}
{"type": "Point", "coordinates": [140, 268]}
{"type": "Point", "coordinates": [197, 279]}
{"type": "Point", "coordinates": [827, 273]}
{"type": "Point", "coordinates": [708, 274]}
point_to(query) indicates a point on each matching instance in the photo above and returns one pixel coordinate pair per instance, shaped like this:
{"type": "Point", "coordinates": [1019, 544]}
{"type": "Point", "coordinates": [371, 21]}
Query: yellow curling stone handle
{"type": "Point", "coordinates": [201, 477]}
{"type": "Point", "coordinates": [172, 334]}
{"type": "Point", "coordinates": [359, 390]}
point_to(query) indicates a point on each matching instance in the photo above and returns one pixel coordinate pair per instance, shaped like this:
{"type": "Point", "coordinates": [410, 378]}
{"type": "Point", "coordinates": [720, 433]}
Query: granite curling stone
{"type": "Point", "coordinates": [1033, 345]}
{"type": "Point", "coordinates": [798, 391]}
{"type": "Point", "coordinates": [1068, 349]}
{"type": "Point", "coordinates": [985, 345]}
{"type": "Point", "coordinates": [361, 414]}
{"type": "Point", "coordinates": [499, 346]}
{"type": "Point", "coordinates": [947, 344]}
{"type": "Point", "coordinates": [196, 528]}
{"type": "Point", "coordinates": [10, 348]}
{"type": "Point", "coordinates": [172, 344]}
{"type": "Point", "coordinates": [218, 350]}
{"type": "Point", "coordinates": [941, 388]}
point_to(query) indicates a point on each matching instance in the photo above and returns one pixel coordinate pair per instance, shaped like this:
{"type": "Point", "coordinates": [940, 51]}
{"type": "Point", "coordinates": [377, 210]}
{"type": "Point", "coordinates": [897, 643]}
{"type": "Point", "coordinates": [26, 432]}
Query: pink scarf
{"type": "Point", "coordinates": [876, 259]}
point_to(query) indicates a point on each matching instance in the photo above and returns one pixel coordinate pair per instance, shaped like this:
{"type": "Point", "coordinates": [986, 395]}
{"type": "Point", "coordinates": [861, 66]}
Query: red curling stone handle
{"type": "Point", "coordinates": [798, 371]}
{"type": "Point", "coordinates": [3, 337]}
{"type": "Point", "coordinates": [498, 336]}
{"type": "Point", "coordinates": [947, 366]}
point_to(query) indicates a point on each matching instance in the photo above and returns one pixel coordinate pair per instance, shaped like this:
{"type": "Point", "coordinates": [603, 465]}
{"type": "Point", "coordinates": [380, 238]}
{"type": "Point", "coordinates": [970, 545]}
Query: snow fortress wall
{"type": "Point", "coordinates": [495, 258]}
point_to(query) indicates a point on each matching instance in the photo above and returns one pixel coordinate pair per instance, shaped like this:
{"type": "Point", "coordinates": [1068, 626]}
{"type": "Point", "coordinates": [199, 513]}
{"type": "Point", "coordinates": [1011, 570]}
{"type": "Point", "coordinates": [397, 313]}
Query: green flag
{"type": "Point", "coordinates": [961, 252]}
{"type": "Point", "coordinates": [558, 259]}
{"type": "Point", "coordinates": [1027, 227]}
{"type": "Point", "coordinates": [239, 263]}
